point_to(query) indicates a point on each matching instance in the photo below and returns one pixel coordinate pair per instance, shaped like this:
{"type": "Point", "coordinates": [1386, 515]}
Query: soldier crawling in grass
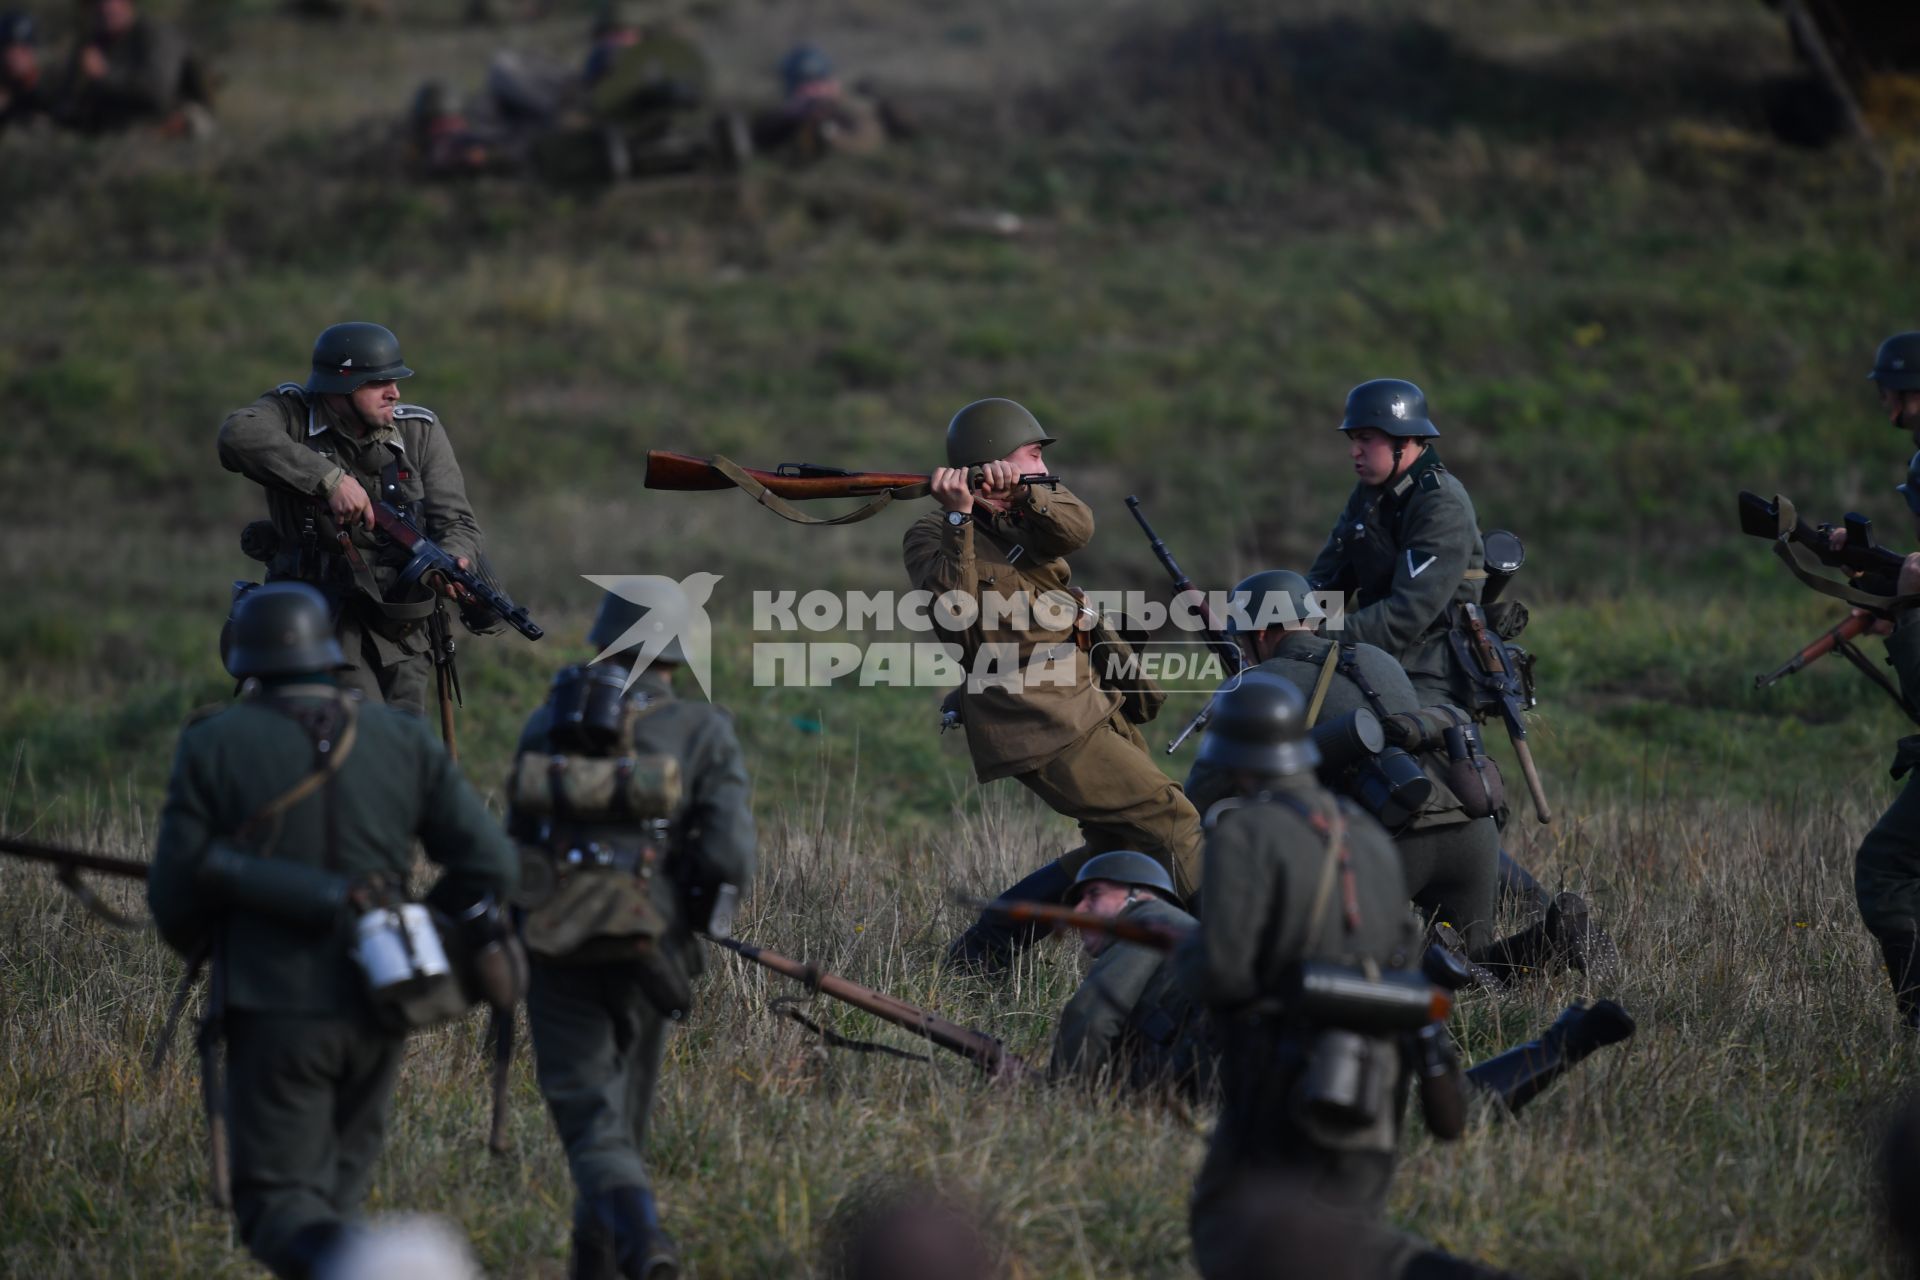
{"type": "Point", "coordinates": [1067, 738]}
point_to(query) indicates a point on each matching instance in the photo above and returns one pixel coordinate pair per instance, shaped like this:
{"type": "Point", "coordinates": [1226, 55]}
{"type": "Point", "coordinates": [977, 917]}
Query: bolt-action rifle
{"type": "Point", "coordinates": [69, 863]}
{"type": "Point", "coordinates": [1872, 586]}
{"type": "Point", "coordinates": [977, 1047]}
{"type": "Point", "coordinates": [804, 482]}
{"type": "Point", "coordinates": [1500, 677]}
{"type": "Point", "coordinates": [1217, 638]}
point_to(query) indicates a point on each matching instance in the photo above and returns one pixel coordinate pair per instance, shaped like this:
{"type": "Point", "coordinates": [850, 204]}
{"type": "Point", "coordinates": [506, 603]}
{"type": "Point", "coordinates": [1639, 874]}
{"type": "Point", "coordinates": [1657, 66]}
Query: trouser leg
{"type": "Point", "coordinates": [597, 1046]}
{"type": "Point", "coordinates": [1451, 873]}
{"type": "Point", "coordinates": [1886, 884]}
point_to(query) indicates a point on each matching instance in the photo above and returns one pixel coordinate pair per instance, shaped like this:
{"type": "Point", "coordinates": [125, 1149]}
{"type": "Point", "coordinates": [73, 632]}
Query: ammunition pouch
{"type": "Point", "coordinates": [1507, 618]}
{"type": "Point", "coordinates": [1906, 756]}
{"type": "Point", "coordinates": [1449, 742]}
{"type": "Point", "coordinates": [260, 541]}
{"type": "Point", "coordinates": [297, 894]}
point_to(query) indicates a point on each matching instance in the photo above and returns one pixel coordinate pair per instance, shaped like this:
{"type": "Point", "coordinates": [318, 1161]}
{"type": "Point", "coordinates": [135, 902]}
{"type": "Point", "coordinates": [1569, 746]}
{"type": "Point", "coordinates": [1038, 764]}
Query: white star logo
{"type": "Point", "coordinates": [674, 611]}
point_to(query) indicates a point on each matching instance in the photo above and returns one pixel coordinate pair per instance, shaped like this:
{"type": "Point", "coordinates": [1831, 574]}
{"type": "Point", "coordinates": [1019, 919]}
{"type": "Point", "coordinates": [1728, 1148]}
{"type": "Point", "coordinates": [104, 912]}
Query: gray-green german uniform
{"type": "Point", "coordinates": [598, 1039]}
{"type": "Point", "coordinates": [1051, 725]}
{"type": "Point", "coordinates": [299, 449]}
{"type": "Point", "coordinates": [1135, 1018]}
{"type": "Point", "coordinates": [1886, 871]}
{"type": "Point", "coordinates": [147, 78]}
{"type": "Point", "coordinates": [1451, 862]}
{"type": "Point", "coordinates": [1279, 893]}
{"type": "Point", "coordinates": [310, 1074]}
{"type": "Point", "coordinates": [1408, 553]}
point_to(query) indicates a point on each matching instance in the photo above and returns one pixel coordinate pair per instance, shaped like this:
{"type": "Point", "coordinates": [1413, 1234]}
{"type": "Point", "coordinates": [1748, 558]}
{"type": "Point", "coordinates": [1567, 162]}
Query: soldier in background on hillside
{"type": "Point", "coordinates": [23, 91]}
{"type": "Point", "coordinates": [632, 811]}
{"type": "Point", "coordinates": [820, 115]}
{"type": "Point", "coordinates": [1041, 717]}
{"type": "Point", "coordinates": [288, 830]}
{"type": "Point", "coordinates": [325, 451]}
{"type": "Point", "coordinates": [133, 69]}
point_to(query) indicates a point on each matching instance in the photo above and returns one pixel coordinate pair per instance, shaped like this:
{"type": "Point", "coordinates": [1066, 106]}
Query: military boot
{"type": "Point", "coordinates": [990, 944]}
{"type": "Point", "coordinates": [1903, 970]}
{"type": "Point", "coordinates": [639, 1249]}
{"type": "Point", "coordinates": [1518, 884]}
{"type": "Point", "coordinates": [1434, 1265]}
{"type": "Point", "coordinates": [1453, 967]}
{"type": "Point", "coordinates": [1566, 935]}
{"type": "Point", "coordinates": [1520, 1074]}
{"type": "Point", "coordinates": [308, 1251]}
{"type": "Point", "coordinates": [592, 1246]}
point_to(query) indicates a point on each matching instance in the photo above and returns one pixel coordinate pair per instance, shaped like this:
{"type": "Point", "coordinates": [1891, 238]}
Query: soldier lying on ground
{"type": "Point", "coordinates": [820, 115]}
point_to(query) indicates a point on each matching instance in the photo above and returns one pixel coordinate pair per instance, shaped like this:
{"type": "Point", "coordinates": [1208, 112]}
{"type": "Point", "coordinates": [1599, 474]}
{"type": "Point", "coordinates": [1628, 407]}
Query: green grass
{"type": "Point", "coordinates": [1625, 300]}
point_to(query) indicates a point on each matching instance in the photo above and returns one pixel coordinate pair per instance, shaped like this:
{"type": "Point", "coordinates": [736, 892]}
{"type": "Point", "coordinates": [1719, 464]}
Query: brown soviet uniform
{"type": "Point", "coordinates": [294, 445]}
{"type": "Point", "coordinates": [1048, 723]}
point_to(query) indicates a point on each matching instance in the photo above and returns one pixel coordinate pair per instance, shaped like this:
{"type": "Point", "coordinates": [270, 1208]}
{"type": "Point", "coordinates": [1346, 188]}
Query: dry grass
{"type": "Point", "coordinates": [1730, 1138]}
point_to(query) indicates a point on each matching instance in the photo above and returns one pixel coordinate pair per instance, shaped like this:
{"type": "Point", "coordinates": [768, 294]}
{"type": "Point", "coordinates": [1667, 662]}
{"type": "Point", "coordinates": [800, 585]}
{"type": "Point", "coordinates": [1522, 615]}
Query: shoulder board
{"type": "Point", "coordinates": [1430, 478]}
{"type": "Point", "coordinates": [293, 389]}
{"type": "Point", "coordinates": [414, 412]}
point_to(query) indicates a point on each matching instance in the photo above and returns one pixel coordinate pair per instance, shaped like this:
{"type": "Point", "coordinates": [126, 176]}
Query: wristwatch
{"type": "Point", "coordinates": [958, 518]}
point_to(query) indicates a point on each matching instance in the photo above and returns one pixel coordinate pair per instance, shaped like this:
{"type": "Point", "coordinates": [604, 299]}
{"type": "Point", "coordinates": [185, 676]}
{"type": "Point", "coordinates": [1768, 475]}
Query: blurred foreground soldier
{"type": "Point", "coordinates": [1031, 705]}
{"type": "Point", "coordinates": [631, 809]}
{"type": "Point", "coordinates": [1408, 550]}
{"type": "Point", "coordinates": [325, 452]}
{"type": "Point", "coordinates": [23, 96]}
{"type": "Point", "coordinates": [1886, 871]}
{"type": "Point", "coordinates": [819, 115]}
{"type": "Point", "coordinates": [1135, 1018]}
{"type": "Point", "coordinates": [910, 1231]}
{"type": "Point", "coordinates": [285, 846]}
{"type": "Point", "coordinates": [1900, 1185]}
{"type": "Point", "coordinates": [134, 69]}
{"type": "Point", "coordinates": [1295, 876]}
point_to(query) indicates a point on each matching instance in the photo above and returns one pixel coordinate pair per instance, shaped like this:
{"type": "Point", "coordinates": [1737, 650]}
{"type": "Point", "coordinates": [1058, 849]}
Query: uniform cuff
{"type": "Point", "coordinates": [958, 537]}
{"type": "Point", "coordinates": [331, 481]}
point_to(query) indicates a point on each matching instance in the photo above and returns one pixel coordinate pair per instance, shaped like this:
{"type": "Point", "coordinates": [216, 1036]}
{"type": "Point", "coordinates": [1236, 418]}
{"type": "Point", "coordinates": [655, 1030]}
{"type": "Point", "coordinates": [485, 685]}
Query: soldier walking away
{"type": "Point", "coordinates": [1135, 1020]}
{"type": "Point", "coordinates": [284, 846]}
{"type": "Point", "coordinates": [134, 69]}
{"type": "Point", "coordinates": [1407, 548]}
{"type": "Point", "coordinates": [23, 92]}
{"type": "Point", "coordinates": [631, 808]}
{"type": "Point", "coordinates": [1044, 718]}
{"type": "Point", "coordinates": [325, 452]}
{"type": "Point", "coordinates": [820, 115]}
{"type": "Point", "coordinates": [1296, 876]}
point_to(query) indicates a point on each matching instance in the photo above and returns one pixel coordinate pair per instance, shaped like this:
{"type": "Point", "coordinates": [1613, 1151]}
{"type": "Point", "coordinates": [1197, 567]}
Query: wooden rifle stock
{"type": "Point", "coordinates": [977, 1047]}
{"type": "Point", "coordinates": [1850, 628]}
{"type": "Point", "coordinates": [683, 473]}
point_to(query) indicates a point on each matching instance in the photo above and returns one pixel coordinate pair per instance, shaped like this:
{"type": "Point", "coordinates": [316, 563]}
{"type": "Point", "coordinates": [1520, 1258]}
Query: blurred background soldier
{"type": "Point", "coordinates": [1135, 1018]}
{"type": "Point", "coordinates": [134, 69]}
{"type": "Point", "coordinates": [1042, 717]}
{"type": "Point", "coordinates": [323, 451]}
{"type": "Point", "coordinates": [819, 115]}
{"type": "Point", "coordinates": [23, 92]}
{"type": "Point", "coordinates": [1886, 871]}
{"type": "Point", "coordinates": [632, 812]}
{"type": "Point", "coordinates": [289, 819]}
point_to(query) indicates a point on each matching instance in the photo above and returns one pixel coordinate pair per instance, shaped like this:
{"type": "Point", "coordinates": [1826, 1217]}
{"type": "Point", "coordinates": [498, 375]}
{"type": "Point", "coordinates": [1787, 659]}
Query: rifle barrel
{"type": "Point", "coordinates": [76, 859]}
{"type": "Point", "coordinates": [979, 1048]}
{"type": "Point", "coordinates": [1851, 627]}
{"type": "Point", "coordinates": [1142, 933]}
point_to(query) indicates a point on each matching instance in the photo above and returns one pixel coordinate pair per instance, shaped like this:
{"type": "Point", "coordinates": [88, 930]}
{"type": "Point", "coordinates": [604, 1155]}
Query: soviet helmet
{"type": "Point", "coordinates": [1128, 867]}
{"type": "Point", "coordinates": [283, 629]}
{"type": "Point", "coordinates": [1392, 405]}
{"type": "Point", "coordinates": [805, 64]}
{"type": "Point", "coordinates": [1911, 489]}
{"type": "Point", "coordinates": [1260, 596]}
{"type": "Point", "coordinates": [988, 430]}
{"type": "Point", "coordinates": [643, 607]}
{"type": "Point", "coordinates": [348, 356]}
{"type": "Point", "coordinates": [1260, 726]}
{"type": "Point", "coordinates": [1896, 366]}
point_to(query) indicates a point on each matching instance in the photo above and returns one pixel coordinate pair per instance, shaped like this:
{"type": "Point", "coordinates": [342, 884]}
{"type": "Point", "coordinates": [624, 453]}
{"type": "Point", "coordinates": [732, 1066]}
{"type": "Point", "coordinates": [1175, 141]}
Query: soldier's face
{"type": "Point", "coordinates": [1101, 898]}
{"type": "Point", "coordinates": [375, 402]}
{"type": "Point", "coordinates": [1902, 407]}
{"type": "Point", "coordinates": [1372, 454]}
{"type": "Point", "coordinates": [1026, 459]}
{"type": "Point", "coordinates": [19, 63]}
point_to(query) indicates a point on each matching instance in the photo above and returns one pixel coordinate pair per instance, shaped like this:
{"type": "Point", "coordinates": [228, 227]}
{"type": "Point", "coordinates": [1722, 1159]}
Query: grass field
{"type": "Point", "coordinates": [1568, 222]}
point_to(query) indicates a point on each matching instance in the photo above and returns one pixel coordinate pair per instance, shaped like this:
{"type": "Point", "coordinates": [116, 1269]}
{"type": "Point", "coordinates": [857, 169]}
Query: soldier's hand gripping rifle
{"type": "Point", "coordinates": [1872, 586]}
{"type": "Point", "coordinates": [1218, 640]}
{"type": "Point", "coordinates": [977, 1047]}
{"type": "Point", "coordinates": [429, 559]}
{"type": "Point", "coordinates": [791, 482]}
{"type": "Point", "coordinates": [1500, 683]}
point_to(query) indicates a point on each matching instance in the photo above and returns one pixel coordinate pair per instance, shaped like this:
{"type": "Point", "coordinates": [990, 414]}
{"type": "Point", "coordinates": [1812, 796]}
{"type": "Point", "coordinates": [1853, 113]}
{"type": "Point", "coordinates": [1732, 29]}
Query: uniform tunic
{"type": "Point", "coordinates": [1135, 1015]}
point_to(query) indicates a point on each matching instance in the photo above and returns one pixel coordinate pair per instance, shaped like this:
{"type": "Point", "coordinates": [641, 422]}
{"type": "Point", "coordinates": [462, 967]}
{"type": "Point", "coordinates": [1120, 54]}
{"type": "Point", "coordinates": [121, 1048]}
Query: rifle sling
{"type": "Point", "coordinates": [787, 511]}
{"type": "Point", "coordinates": [783, 1006]}
{"type": "Point", "coordinates": [1321, 685]}
{"type": "Point", "coordinates": [69, 879]}
{"type": "Point", "coordinates": [1803, 564]}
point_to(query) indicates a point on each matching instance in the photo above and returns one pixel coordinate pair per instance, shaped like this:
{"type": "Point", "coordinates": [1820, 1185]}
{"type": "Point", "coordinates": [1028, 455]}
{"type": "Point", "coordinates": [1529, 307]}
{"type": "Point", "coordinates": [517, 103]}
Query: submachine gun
{"type": "Point", "coordinates": [1872, 585]}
